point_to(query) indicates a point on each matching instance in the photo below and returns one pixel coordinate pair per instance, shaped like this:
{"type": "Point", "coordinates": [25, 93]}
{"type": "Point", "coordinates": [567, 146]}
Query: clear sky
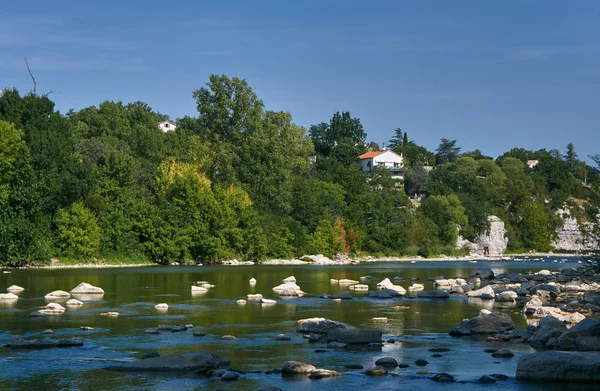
{"type": "Point", "coordinates": [491, 74]}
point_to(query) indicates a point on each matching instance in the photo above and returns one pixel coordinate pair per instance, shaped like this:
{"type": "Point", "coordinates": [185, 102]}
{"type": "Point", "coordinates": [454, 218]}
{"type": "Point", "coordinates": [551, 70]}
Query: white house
{"type": "Point", "coordinates": [386, 159]}
{"type": "Point", "coordinates": [167, 126]}
{"type": "Point", "coordinates": [532, 163]}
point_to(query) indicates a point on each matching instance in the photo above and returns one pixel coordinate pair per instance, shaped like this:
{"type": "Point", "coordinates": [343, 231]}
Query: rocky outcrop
{"type": "Point", "coordinates": [199, 362]}
{"type": "Point", "coordinates": [573, 236]}
{"type": "Point", "coordinates": [493, 243]}
{"type": "Point", "coordinates": [296, 368]}
{"type": "Point", "coordinates": [554, 366]}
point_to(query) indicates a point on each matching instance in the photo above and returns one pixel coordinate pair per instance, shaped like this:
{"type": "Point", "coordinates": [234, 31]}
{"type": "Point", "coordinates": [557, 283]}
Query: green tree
{"type": "Point", "coordinates": [78, 232]}
{"type": "Point", "coordinates": [447, 152]}
{"type": "Point", "coordinates": [397, 139]}
{"type": "Point", "coordinates": [448, 214]}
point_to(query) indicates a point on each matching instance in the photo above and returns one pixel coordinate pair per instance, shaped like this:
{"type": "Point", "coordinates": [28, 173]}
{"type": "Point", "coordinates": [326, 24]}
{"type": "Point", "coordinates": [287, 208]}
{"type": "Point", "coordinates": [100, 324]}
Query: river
{"type": "Point", "coordinates": [416, 324]}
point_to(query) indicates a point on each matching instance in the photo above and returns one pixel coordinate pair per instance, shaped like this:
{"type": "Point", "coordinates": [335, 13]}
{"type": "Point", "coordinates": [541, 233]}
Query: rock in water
{"type": "Point", "coordinates": [57, 295]}
{"type": "Point", "coordinates": [8, 296]}
{"type": "Point", "coordinates": [319, 325]}
{"type": "Point", "coordinates": [322, 374]}
{"type": "Point", "coordinates": [74, 303]}
{"type": "Point", "coordinates": [558, 366]}
{"type": "Point", "coordinates": [354, 336]}
{"type": "Point", "coordinates": [296, 367]}
{"type": "Point", "coordinates": [199, 362]}
{"type": "Point", "coordinates": [87, 289]}
{"type": "Point", "coordinates": [376, 371]}
{"type": "Point", "coordinates": [20, 343]}
{"type": "Point", "coordinates": [15, 288]}
{"type": "Point", "coordinates": [492, 323]}
{"type": "Point", "coordinates": [162, 306]}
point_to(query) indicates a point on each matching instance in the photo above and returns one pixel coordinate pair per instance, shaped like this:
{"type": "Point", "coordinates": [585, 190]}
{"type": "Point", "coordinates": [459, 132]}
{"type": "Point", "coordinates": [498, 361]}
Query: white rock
{"type": "Point", "coordinates": [15, 288]}
{"type": "Point", "coordinates": [241, 302]}
{"type": "Point", "coordinates": [55, 306]}
{"type": "Point", "coordinates": [359, 287]}
{"type": "Point", "coordinates": [572, 318]}
{"type": "Point", "coordinates": [334, 281]}
{"type": "Point", "coordinates": [541, 312]}
{"type": "Point", "coordinates": [380, 319]}
{"type": "Point", "coordinates": [8, 296]}
{"type": "Point", "coordinates": [58, 295]}
{"type": "Point", "coordinates": [477, 293]}
{"type": "Point", "coordinates": [289, 279]}
{"type": "Point", "coordinates": [199, 289]}
{"type": "Point", "coordinates": [508, 295]}
{"type": "Point", "coordinates": [252, 281]}
{"type": "Point", "coordinates": [345, 281]}
{"type": "Point", "coordinates": [254, 297]}
{"type": "Point", "coordinates": [74, 303]}
{"type": "Point", "coordinates": [87, 289]}
{"type": "Point", "coordinates": [162, 306]}
{"type": "Point", "coordinates": [484, 312]}
{"type": "Point", "coordinates": [416, 287]}
{"type": "Point", "coordinates": [544, 272]}
{"type": "Point", "coordinates": [385, 283]}
{"type": "Point", "coordinates": [267, 301]}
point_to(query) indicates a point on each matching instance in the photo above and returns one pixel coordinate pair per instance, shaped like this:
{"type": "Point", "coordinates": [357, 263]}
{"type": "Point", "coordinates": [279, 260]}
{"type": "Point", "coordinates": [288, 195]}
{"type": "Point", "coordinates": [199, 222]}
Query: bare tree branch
{"type": "Point", "coordinates": [51, 92]}
{"type": "Point", "coordinates": [32, 78]}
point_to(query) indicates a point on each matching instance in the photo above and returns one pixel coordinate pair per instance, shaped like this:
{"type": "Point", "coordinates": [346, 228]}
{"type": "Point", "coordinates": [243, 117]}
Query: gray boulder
{"type": "Point", "coordinates": [554, 366]}
{"type": "Point", "coordinates": [591, 297]}
{"type": "Point", "coordinates": [434, 294]}
{"type": "Point", "coordinates": [549, 328]}
{"type": "Point", "coordinates": [319, 326]}
{"type": "Point", "coordinates": [296, 367]}
{"type": "Point", "coordinates": [354, 336]}
{"type": "Point", "coordinates": [572, 338]}
{"type": "Point", "coordinates": [492, 323]}
{"type": "Point", "coordinates": [384, 294]}
{"type": "Point", "coordinates": [484, 274]}
{"type": "Point", "coordinates": [199, 362]}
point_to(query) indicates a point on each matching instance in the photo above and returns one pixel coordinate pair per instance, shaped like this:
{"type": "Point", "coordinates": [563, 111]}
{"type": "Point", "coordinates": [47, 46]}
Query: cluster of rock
{"type": "Point", "coordinates": [337, 334]}
{"type": "Point", "coordinates": [18, 342]}
{"type": "Point", "coordinates": [83, 291]}
{"type": "Point", "coordinates": [201, 287]}
{"type": "Point", "coordinates": [289, 288]}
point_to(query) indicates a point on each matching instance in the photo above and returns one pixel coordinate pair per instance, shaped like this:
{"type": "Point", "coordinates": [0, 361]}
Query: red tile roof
{"type": "Point", "coordinates": [370, 155]}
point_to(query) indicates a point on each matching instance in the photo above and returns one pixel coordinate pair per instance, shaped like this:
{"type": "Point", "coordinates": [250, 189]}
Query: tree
{"type": "Point", "coordinates": [78, 232]}
{"type": "Point", "coordinates": [448, 214]}
{"type": "Point", "coordinates": [416, 179]}
{"type": "Point", "coordinates": [447, 152]}
{"type": "Point", "coordinates": [397, 139]}
{"type": "Point", "coordinates": [572, 159]}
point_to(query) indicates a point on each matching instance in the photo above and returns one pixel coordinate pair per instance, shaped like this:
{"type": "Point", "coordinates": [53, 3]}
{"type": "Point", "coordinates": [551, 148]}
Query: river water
{"type": "Point", "coordinates": [133, 292]}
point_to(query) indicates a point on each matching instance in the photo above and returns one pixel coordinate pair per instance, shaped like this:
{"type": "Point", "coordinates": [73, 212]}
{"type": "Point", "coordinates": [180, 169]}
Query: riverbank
{"type": "Point", "coordinates": [315, 260]}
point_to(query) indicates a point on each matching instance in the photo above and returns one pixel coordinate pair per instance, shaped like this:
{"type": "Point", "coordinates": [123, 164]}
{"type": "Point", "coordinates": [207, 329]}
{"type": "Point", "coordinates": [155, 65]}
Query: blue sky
{"type": "Point", "coordinates": [491, 74]}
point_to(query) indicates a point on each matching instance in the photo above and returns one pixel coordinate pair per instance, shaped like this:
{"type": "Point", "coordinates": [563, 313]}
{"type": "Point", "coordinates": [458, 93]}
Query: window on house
{"type": "Point", "coordinates": [167, 125]}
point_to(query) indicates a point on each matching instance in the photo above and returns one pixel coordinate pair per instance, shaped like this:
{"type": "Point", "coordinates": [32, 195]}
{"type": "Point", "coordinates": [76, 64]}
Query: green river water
{"type": "Point", "coordinates": [133, 292]}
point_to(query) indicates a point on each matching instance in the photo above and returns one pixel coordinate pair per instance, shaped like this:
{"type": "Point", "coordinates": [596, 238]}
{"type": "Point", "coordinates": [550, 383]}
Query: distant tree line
{"type": "Point", "coordinates": [237, 182]}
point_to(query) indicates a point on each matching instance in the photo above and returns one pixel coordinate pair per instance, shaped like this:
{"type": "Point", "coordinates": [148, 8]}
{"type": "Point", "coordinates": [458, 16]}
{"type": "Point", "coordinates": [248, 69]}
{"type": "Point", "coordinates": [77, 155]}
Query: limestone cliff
{"type": "Point", "coordinates": [494, 240]}
{"type": "Point", "coordinates": [572, 236]}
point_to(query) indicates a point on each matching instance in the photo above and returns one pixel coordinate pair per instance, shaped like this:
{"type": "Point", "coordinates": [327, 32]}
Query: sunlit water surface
{"type": "Point", "coordinates": [133, 292]}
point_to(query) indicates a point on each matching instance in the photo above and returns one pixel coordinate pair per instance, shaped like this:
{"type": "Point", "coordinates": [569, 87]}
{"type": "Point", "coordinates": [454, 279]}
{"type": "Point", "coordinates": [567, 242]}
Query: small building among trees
{"type": "Point", "coordinates": [167, 126]}
{"type": "Point", "coordinates": [384, 159]}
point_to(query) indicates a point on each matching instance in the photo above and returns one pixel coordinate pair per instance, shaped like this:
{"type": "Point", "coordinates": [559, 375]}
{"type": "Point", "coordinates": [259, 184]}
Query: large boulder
{"type": "Point", "coordinates": [319, 326]}
{"type": "Point", "coordinates": [478, 292]}
{"type": "Point", "coordinates": [354, 336]}
{"type": "Point", "coordinates": [199, 362]}
{"type": "Point", "coordinates": [8, 296]}
{"type": "Point", "coordinates": [492, 323]}
{"type": "Point", "coordinates": [576, 338]}
{"type": "Point", "coordinates": [439, 294]}
{"type": "Point", "coordinates": [57, 295]}
{"type": "Point", "coordinates": [296, 367]}
{"type": "Point", "coordinates": [554, 366]}
{"type": "Point", "coordinates": [385, 293]}
{"type": "Point", "coordinates": [549, 328]}
{"type": "Point", "coordinates": [592, 297]}
{"type": "Point", "coordinates": [87, 289]}
{"type": "Point", "coordinates": [484, 274]}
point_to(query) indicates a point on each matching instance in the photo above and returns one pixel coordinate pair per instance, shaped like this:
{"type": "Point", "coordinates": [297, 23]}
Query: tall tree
{"type": "Point", "coordinates": [396, 140]}
{"type": "Point", "coordinates": [447, 152]}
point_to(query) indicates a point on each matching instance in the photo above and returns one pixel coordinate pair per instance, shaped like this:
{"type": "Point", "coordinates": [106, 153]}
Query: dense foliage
{"type": "Point", "coordinates": [240, 181]}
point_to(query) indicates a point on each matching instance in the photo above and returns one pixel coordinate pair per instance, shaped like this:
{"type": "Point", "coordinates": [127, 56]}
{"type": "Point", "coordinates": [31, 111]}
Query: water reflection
{"type": "Point", "coordinates": [416, 324]}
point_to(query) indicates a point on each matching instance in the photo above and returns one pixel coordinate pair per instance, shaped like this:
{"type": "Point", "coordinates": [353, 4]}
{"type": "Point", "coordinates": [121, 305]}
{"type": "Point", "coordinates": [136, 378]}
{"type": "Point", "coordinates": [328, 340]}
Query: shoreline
{"type": "Point", "coordinates": [318, 261]}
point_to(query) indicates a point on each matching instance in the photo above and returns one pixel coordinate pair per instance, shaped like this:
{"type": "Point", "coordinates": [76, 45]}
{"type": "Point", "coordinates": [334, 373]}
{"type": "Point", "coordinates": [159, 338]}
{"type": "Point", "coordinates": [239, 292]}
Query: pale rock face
{"type": "Point", "coordinates": [15, 288]}
{"type": "Point", "coordinates": [57, 295]}
{"type": "Point", "coordinates": [416, 287]}
{"type": "Point", "coordinates": [495, 240]}
{"type": "Point", "coordinates": [86, 289]}
{"type": "Point", "coordinates": [573, 237]}
{"type": "Point", "coordinates": [8, 296]}
{"type": "Point", "coordinates": [162, 306]}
